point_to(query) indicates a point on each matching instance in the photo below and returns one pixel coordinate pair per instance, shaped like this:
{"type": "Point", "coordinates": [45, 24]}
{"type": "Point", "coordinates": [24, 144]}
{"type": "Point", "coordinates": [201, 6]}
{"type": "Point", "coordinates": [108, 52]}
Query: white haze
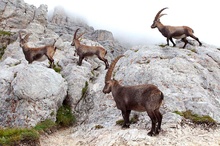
{"type": "Point", "coordinates": [131, 20]}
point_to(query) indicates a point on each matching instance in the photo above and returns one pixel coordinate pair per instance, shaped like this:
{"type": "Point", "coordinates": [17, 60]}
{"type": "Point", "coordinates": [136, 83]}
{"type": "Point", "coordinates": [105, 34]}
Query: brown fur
{"type": "Point", "coordinates": [170, 32]}
{"type": "Point", "coordinates": [84, 50]}
{"type": "Point", "coordinates": [32, 54]}
{"type": "Point", "coordinates": [140, 98]}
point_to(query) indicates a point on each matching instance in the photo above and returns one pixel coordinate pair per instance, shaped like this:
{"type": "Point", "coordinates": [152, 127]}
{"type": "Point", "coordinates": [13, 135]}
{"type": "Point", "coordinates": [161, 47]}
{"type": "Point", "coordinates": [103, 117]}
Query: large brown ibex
{"type": "Point", "coordinates": [140, 98]}
{"type": "Point", "coordinates": [32, 54]}
{"type": "Point", "coordinates": [177, 32]}
{"type": "Point", "coordinates": [84, 50]}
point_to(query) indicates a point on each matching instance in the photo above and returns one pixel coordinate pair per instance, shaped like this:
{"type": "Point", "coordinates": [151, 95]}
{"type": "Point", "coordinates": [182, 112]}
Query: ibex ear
{"type": "Point", "coordinates": [120, 81]}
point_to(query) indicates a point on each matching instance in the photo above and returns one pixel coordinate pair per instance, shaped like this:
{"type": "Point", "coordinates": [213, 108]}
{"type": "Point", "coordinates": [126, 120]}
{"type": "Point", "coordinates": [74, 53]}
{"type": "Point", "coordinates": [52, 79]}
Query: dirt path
{"type": "Point", "coordinates": [59, 138]}
{"type": "Point", "coordinates": [184, 136]}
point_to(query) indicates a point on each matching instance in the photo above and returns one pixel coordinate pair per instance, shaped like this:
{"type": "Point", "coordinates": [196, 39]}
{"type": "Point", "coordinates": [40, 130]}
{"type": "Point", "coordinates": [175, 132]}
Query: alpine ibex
{"type": "Point", "coordinates": [32, 54]}
{"type": "Point", "coordinates": [84, 50]}
{"type": "Point", "coordinates": [177, 32]}
{"type": "Point", "coordinates": [140, 98]}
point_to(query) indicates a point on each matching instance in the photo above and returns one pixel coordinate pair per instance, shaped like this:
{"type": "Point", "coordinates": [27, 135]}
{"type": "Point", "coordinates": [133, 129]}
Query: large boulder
{"type": "Point", "coordinates": [29, 93]}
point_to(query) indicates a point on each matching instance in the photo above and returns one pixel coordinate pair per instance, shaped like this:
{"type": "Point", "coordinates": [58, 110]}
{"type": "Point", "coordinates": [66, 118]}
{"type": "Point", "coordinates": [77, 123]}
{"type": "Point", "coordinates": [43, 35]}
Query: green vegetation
{"type": "Point", "coordinates": [162, 45]}
{"type": "Point", "coordinates": [15, 136]}
{"type": "Point", "coordinates": [65, 118]}
{"type": "Point", "coordinates": [194, 50]}
{"type": "Point", "coordinates": [5, 33]}
{"type": "Point", "coordinates": [133, 120]}
{"type": "Point", "coordinates": [57, 68]}
{"type": "Point", "coordinates": [2, 51]}
{"type": "Point", "coordinates": [205, 119]}
{"type": "Point", "coordinates": [45, 125]}
{"type": "Point", "coordinates": [30, 136]}
{"type": "Point", "coordinates": [85, 89]}
{"type": "Point", "coordinates": [98, 127]}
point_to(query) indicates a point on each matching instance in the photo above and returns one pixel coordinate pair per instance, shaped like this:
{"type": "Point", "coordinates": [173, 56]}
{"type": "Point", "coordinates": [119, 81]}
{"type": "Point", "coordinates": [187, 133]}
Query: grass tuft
{"type": "Point", "coordinates": [197, 119]}
{"type": "Point", "coordinates": [98, 127]}
{"type": "Point", "coordinates": [65, 118]}
{"type": "Point", "coordinates": [5, 33]}
{"type": "Point", "coordinates": [15, 136]}
{"type": "Point", "coordinates": [133, 120]}
{"type": "Point", "coordinates": [30, 136]}
{"type": "Point", "coordinates": [45, 125]}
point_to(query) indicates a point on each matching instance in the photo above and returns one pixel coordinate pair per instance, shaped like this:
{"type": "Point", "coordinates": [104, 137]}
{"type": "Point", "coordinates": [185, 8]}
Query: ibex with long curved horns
{"type": "Point", "coordinates": [140, 98]}
{"type": "Point", "coordinates": [32, 54]}
{"type": "Point", "coordinates": [84, 50]}
{"type": "Point", "coordinates": [177, 32]}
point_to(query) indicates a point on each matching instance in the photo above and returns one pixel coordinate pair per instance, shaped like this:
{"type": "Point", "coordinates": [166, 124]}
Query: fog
{"type": "Point", "coordinates": [131, 20]}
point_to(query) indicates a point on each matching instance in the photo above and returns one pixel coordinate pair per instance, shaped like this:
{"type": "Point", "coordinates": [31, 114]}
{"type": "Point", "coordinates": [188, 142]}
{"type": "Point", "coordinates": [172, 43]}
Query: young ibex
{"type": "Point", "coordinates": [84, 50]}
{"type": "Point", "coordinates": [177, 32]}
{"type": "Point", "coordinates": [140, 98]}
{"type": "Point", "coordinates": [32, 54]}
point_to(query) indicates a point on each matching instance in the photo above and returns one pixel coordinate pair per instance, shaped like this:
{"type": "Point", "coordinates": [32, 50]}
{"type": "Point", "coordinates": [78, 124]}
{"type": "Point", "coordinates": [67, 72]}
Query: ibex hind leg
{"type": "Point", "coordinates": [159, 120]}
{"type": "Point", "coordinates": [197, 39]}
{"type": "Point", "coordinates": [153, 118]}
{"type": "Point", "coordinates": [105, 61]}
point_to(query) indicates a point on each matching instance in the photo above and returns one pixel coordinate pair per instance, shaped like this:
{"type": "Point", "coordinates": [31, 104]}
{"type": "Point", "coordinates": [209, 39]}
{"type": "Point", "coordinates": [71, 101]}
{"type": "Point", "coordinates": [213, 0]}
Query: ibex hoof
{"type": "Point", "coordinates": [150, 133]}
{"type": "Point", "coordinates": [125, 126]}
{"type": "Point", "coordinates": [79, 64]}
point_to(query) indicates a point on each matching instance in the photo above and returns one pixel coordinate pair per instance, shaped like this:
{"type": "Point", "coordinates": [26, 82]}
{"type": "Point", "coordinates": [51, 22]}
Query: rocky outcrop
{"type": "Point", "coordinates": [29, 93]}
{"type": "Point", "coordinates": [17, 14]}
{"type": "Point", "coordinates": [189, 79]}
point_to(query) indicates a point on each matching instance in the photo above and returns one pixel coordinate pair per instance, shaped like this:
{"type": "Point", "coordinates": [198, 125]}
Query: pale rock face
{"type": "Point", "coordinates": [30, 94]}
{"type": "Point", "coordinates": [17, 14]}
{"type": "Point", "coordinates": [189, 81]}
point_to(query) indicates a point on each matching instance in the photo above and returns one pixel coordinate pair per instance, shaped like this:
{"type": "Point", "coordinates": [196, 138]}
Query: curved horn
{"type": "Point", "coordinates": [75, 33]}
{"type": "Point", "coordinates": [27, 36]}
{"type": "Point", "coordinates": [111, 68]}
{"type": "Point", "coordinates": [80, 35]}
{"type": "Point", "coordinates": [161, 15]}
{"type": "Point", "coordinates": [158, 13]}
{"type": "Point", "coordinates": [19, 33]}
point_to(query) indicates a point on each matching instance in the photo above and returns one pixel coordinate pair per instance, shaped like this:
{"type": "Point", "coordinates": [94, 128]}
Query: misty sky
{"type": "Point", "coordinates": [131, 20]}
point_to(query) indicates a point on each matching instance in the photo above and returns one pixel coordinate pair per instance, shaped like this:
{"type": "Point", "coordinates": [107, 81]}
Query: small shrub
{"type": "Point", "coordinates": [133, 120]}
{"type": "Point", "coordinates": [5, 33]}
{"type": "Point", "coordinates": [120, 122]}
{"type": "Point", "coordinates": [205, 119]}
{"type": "Point", "coordinates": [15, 136]}
{"type": "Point", "coordinates": [2, 51]}
{"type": "Point", "coordinates": [99, 127]}
{"type": "Point", "coordinates": [65, 117]}
{"type": "Point", "coordinates": [45, 125]}
{"type": "Point", "coordinates": [178, 113]}
{"type": "Point", "coordinates": [57, 68]}
{"type": "Point", "coordinates": [85, 89]}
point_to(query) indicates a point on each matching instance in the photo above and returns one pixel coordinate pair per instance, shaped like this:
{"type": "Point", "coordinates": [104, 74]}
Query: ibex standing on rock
{"type": "Point", "coordinates": [140, 98]}
{"type": "Point", "coordinates": [177, 32]}
{"type": "Point", "coordinates": [84, 50]}
{"type": "Point", "coordinates": [32, 54]}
